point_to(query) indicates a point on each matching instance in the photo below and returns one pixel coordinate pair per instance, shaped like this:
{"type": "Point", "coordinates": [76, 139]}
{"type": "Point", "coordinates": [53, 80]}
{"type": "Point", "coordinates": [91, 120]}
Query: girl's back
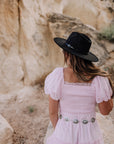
{"type": "Point", "coordinates": [77, 122]}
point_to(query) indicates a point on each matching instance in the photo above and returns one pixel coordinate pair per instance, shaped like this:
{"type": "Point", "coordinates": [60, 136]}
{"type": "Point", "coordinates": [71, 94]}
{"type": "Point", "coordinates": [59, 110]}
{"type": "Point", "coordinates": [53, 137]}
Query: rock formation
{"type": "Point", "coordinates": [6, 131]}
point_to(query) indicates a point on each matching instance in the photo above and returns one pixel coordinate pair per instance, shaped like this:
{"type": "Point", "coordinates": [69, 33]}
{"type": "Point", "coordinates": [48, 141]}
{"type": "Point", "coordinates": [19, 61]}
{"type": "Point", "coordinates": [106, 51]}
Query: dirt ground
{"type": "Point", "coordinates": [28, 115]}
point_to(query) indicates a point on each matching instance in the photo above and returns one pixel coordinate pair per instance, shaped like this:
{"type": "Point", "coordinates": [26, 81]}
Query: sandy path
{"type": "Point", "coordinates": [28, 116]}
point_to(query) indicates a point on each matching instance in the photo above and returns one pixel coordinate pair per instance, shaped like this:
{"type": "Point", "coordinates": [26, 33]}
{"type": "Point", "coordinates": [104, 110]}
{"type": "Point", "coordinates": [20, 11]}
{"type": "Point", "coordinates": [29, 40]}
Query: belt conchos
{"type": "Point", "coordinates": [76, 121]}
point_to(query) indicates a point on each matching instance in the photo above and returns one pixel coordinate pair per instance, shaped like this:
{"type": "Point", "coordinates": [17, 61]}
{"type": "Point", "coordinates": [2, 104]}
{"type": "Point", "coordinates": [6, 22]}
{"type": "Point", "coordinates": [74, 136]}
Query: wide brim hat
{"type": "Point", "coordinates": [77, 44]}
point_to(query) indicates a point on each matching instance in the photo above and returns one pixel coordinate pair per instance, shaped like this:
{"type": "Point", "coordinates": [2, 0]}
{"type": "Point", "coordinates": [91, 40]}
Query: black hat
{"type": "Point", "coordinates": [77, 44]}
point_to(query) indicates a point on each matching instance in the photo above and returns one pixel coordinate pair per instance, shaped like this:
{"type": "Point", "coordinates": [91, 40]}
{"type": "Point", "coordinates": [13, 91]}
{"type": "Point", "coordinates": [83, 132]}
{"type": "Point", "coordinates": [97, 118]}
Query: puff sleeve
{"type": "Point", "coordinates": [103, 89]}
{"type": "Point", "coordinates": [52, 84]}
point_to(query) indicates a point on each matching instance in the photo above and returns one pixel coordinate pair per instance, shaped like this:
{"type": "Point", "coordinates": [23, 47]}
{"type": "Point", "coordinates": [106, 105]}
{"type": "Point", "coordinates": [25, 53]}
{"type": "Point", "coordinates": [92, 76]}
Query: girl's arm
{"type": "Point", "coordinates": [53, 111]}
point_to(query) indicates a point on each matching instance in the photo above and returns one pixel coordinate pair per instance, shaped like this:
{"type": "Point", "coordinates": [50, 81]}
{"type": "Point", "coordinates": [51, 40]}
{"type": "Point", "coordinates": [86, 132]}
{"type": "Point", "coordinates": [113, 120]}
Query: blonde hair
{"type": "Point", "coordinates": [84, 68]}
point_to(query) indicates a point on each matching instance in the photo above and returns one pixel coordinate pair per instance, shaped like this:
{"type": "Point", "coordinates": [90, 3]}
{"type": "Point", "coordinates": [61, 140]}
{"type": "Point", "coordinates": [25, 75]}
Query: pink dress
{"type": "Point", "coordinates": [77, 102]}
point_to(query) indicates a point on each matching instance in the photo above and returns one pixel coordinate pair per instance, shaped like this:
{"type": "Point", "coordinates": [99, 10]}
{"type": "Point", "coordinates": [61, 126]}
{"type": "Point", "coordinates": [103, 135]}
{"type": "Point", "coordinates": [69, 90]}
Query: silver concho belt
{"type": "Point", "coordinates": [75, 121]}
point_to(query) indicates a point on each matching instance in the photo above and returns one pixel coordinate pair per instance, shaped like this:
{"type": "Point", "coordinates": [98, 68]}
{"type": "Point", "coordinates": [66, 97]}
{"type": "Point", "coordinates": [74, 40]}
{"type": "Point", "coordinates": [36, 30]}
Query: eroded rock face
{"type": "Point", "coordinates": [11, 69]}
{"type": "Point", "coordinates": [6, 132]}
{"type": "Point", "coordinates": [36, 46]}
{"type": "Point", "coordinates": [97, 13]}
{"type": "Point", "coordinates": [27, 50]}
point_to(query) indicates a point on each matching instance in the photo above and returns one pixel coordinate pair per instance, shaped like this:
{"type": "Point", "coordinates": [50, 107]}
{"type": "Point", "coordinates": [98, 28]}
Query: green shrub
{"type": "Point", "coordinates": [107, 33]}
{"type": "Point", "coordinates": [31, 109]}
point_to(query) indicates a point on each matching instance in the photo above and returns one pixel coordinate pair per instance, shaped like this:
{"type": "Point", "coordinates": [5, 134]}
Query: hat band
{"type": "Point", "coordinates": [77, 50]}
{"type": "Point", "coordinates": [68, 45]}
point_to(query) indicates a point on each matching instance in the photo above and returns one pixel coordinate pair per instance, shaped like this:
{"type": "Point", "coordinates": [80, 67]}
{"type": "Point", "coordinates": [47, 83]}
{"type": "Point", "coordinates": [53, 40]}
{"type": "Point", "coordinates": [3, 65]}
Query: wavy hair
{"type": "Point", "coordinates": [84, 68]}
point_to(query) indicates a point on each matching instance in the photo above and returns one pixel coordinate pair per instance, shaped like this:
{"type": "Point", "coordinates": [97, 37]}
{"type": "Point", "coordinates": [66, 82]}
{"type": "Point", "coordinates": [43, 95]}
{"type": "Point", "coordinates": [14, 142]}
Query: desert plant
{"type": "Point", "coordinates": [107, 33]}
{"type": "Point", "coordinates": [31, 109]}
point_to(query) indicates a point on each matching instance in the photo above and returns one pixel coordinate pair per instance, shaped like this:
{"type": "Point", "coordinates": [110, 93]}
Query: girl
{"type": "Point", "coordinates": [74, 91]}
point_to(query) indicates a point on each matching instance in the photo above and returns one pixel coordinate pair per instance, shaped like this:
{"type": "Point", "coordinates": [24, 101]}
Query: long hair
{"type": "Point", "coordinates": [84, 68]}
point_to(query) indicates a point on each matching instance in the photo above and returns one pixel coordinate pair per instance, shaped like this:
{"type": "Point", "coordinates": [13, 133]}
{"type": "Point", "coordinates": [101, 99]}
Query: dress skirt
{"type": "Point", "coordinates": [67, 132]}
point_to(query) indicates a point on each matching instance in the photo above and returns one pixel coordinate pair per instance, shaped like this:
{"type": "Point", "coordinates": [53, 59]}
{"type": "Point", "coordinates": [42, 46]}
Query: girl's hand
{"type": "Point", "coordinates": [105, 107]}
